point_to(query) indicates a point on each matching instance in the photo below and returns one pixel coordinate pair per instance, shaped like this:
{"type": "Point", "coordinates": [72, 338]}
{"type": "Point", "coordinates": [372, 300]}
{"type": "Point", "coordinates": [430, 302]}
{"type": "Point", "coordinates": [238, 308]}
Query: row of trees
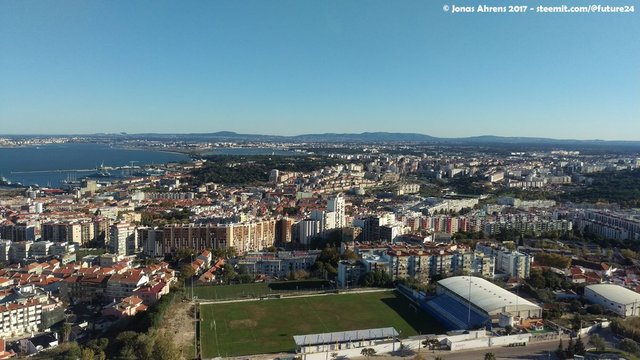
{"type": "Point", "coordinates": [255, 169]}
{"type": "Point", "coordinates": [573, 348]}
{"type": "Point", "coordinates": [326, 265]}
{"type": "Point", "coordinates": [139, 338]}
{"type": "Point", "coordinates": [629, 328]}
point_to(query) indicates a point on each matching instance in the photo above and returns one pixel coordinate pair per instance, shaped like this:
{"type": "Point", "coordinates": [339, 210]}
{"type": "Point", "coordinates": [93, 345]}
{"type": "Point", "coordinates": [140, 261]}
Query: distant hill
{"type": "Point", "coordinates": [365, 137]}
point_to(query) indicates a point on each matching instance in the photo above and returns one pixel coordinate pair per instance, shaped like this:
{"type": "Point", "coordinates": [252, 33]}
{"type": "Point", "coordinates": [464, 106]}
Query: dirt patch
{"type": "Point", "coordinates": [179, 324]}
{"type": "Point", "coordinates": [242, 324]}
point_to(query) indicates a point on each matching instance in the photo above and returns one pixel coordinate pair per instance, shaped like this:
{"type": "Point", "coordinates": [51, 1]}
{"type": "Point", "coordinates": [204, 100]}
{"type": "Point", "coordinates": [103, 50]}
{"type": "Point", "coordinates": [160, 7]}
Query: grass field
{"type": "Point", "coordinates": [231, 291]}
{"type": "Point", "coordinates": [255, 289]}
{"type": "Point", "coordinates": [268, 326]}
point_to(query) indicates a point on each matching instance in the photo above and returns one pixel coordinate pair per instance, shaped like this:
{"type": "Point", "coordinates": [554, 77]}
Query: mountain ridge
{"type": "Point", "coordinates": [363, 137]}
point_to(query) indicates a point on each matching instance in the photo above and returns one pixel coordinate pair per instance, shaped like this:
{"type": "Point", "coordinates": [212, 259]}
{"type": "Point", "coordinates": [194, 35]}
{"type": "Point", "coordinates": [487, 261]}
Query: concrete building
{"type": "Point", "coordinates": [17, 232]}
{"type": "Point", "coordinates": [62, 232]}
{"type": "Point", "coordinates": [306, 230]}
{"type": "Point", "coordinates": [279, 264]}
{"type": "Point", "coordinates": [123, 239]}
{"type": "Point", "coordinates": [284, 231]}
{"type": "Point", "coordinates": [514, 263]}
{"type": "Point", "coordinates": [5, 246]}
{"type": "Point", "coordinates": [611, 225]}
{"type": "Point", "coordinates": [326, 220]}
{"type": "Point", "coordinates": [306, 345]}
{"type": "Point", "coordinates": [349, 273]}
{"type": "Point", "coordinates": [371, 229]}
{"type": "Point", "coordinates": [615, 298]}
{"type": "Point", "coordinates": [19, 318]}
{"type": "Point", "coordinates": [487, 298]}
{"type": "Point", "coordinates": [336, 205]}
{"type": "Point", "coordinates": [243, 236]}
{"type": "Point", "coordinates": [151, 241]}
{"type": "Point", "coordinates": [19, 251]}
{"type": "Point", "coordinates": [41, 249]}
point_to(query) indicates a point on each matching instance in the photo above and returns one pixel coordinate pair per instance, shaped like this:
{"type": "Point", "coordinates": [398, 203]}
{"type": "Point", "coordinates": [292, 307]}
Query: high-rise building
{"type": "Point", "coordinates": [371, 229]}
{"type": "Point", "coordinates": [243, 237]}
{"type": "Point", "coordinates": [62, 232]}
{"type": "Point", "coordinates": [284, 229]}
{"type": "Point", "coordinates": [123, 239]}
{"type": "Point", "coordinates": [306, 230]}
{"type": "Point", "coordinates": [336, 205]}
{"type": "Point", "coordinates": [514, 263]}
{"type": "Point", "coordinates": [325, 219]}
{"type": "Point", "coordinates": [17, 232]}
{"type": "Point", "coordinates": [151, 241]}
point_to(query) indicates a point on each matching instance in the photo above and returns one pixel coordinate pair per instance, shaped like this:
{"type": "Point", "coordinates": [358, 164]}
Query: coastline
{"type": "Point", "coordinates": [40, 164]}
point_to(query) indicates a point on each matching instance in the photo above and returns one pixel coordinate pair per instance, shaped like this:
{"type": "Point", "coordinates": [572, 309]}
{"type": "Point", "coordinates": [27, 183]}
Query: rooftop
{"type": "Point", "coordinates": [344, 336]}
{"type": "Point", "coordinates": [484, 294]}
{"type": "Point", "coordinates": [615, 293]}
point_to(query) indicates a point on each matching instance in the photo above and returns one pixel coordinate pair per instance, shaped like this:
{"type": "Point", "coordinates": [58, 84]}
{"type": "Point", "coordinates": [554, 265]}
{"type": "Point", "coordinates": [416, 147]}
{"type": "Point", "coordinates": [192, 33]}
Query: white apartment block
{"type": "Point", "coordinates": [20, 318]}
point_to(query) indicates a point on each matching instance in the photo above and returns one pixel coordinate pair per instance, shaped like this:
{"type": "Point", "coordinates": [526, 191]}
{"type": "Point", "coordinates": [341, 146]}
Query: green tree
{"type": "Point", "coordinates": [87, 354]}
{"type": "Point", "coordinates": [125, 345]}
{"type": "Point", "coordinates": [246, 278]}
{"type": "Point", "coordinates": [367, 352]}
{"type": "Point", "coordinates": [164, 348]}
{"type": "Point", "coordinates": [127, 353]}
{"type": "Point", "coordinates": [536, 279]}
{"type": "Point", "coordinates": [627, 254]}
{"type": "Point", "coordinates": [376, 278]}
{"type": "Point", "coordinates": [579, 348]}
{"type": "Point", "coordinates": [630, 346]}
{"type": "Point", "coordinates": [144, 346]}
{"type": "Point", "coordinates": [69, 351]}
{"type": "Point", "coordinates": [186, 272]}
{"type": "Point", "coordinates": [66, 332]}
{"type": "Point", "coordinates": [489, 356]}
{"type": "Point", "coordinates": [598, 342]}
{"type": "Point", "coordinates": [349, 255]}
{"type": "Point", "coordinates": [184, 254]}
{"type": "Point", "coordinates": [595, 309]}
{"type": "Point", "coordinates": [553, 260]}
{"type": "Point", "coordinates": [508, 329]}
{"type": "Point", "coordinates": [576, 322]}
{"type": "Point", "coordinates": [229, 272]}
{"type": "Point", "coordinates": [570, 350]}
{"type": "Point", "coordinates": [560, 350]}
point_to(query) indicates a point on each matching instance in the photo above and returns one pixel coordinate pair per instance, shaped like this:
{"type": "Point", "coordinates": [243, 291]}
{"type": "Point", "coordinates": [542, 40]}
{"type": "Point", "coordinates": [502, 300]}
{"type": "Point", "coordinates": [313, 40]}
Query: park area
{"type": "Point", "coordinates": [268, 326]}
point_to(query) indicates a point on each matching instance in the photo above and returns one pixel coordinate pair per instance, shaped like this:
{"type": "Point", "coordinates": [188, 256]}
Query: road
{"type": "Point", "coordinates": [537, 350]}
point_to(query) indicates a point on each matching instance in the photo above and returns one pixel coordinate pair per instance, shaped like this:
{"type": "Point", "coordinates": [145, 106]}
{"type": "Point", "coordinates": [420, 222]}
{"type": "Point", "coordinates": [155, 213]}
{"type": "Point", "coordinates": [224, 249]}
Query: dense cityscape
{"type": "Point", "coordinates": [477, 246]}
{"type": "Point", "coordinates": [319, 180]}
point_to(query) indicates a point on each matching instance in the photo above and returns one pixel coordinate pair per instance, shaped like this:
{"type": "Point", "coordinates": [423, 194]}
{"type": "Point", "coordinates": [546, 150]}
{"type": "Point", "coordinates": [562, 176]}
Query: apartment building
{"type": "Point", "coordinates": [122, 285]}
{"type": "Point", "coordinates": [123, 239]}
{"type": "Point", "coordinates": [244, 237]}
{"type": "Point", "coordinates": [20, 317]}
{"type": "Point", "coordinates": [609, 224]}
{"type": "Point", "coordinates": [278, 264]}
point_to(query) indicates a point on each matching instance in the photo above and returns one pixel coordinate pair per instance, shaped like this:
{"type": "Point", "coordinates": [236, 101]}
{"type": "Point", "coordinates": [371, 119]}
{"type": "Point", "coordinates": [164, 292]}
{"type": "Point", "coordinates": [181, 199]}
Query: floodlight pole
{"type": "Point", "coordinates": [469, 314]}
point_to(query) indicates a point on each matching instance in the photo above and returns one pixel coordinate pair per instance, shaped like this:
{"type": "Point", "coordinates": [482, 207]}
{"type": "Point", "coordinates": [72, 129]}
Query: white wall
{"type": "Point", "coordinates": [351, 353]}
{"type": "Point", "coordinates": [511, 339]}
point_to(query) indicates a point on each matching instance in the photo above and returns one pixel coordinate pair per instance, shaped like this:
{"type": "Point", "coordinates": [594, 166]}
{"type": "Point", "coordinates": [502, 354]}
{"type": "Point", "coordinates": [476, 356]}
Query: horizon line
{"type": "Point", "coordinates": [222, 132]}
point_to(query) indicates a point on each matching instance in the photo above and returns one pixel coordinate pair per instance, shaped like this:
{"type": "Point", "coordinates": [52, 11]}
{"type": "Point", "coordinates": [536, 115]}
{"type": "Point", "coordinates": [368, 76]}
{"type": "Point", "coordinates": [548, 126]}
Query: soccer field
{"type": "Point", "coordinates": [268, 326]}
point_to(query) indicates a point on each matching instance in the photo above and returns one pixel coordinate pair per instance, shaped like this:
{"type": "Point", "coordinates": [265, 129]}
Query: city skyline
{"type": "Point", "coordinates": [291, 68]}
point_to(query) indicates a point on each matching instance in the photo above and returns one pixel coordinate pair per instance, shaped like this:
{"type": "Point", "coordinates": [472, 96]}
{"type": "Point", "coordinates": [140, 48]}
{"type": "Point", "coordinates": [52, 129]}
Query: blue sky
{"type": "Point", "coordinates": [300, 66]}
